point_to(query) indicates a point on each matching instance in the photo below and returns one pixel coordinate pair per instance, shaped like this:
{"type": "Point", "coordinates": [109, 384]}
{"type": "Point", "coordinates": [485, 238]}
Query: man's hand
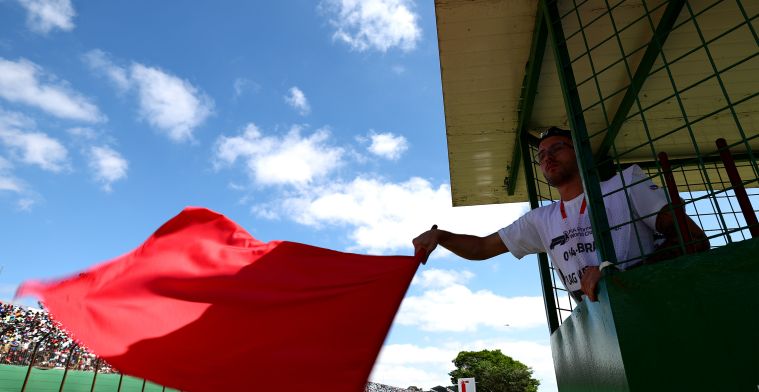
{"type": "Point", "coordinates": [589, 282]}
{"type": "Point", "coordinates": [670, 248]}
{"type": "Point", "coordinates": [426, 242]}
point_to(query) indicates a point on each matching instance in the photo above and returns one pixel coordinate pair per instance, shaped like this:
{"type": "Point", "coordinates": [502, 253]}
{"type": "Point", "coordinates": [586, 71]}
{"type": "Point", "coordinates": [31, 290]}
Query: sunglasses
{"type": "Point", "coordinates": [552, 151]}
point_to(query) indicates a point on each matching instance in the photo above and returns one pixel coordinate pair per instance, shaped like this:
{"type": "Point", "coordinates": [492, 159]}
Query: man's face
{"type": "Point", "coordinates": [557, 160]}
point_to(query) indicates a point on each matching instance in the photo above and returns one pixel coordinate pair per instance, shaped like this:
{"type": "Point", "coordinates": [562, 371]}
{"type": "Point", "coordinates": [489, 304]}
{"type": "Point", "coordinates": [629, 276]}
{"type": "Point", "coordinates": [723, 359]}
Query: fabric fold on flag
{"type": "Point", "coordinates": [204, 306]}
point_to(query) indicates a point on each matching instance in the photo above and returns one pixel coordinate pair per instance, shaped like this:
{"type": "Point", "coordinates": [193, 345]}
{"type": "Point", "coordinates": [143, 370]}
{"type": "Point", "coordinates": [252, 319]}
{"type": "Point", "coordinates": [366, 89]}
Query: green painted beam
{"type": "Point", "coordinates": [590, 177]}
{"type": "Point", "coordinates": [549, 300]}
{"type": "Point", "coordinates": [527, 98]}
{"type": "Point", "coordinates": [522, 152]}
{"type": "Point", "coordinates": [641, 74]}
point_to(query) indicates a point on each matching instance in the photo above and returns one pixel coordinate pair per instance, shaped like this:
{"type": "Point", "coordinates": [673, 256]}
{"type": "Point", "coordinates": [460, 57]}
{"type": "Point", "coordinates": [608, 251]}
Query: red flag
{"type": "Point", "coordinates": [204, 306]}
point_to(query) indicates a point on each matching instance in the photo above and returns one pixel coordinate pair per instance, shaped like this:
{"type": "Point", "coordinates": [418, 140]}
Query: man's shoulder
{"type": "Point", "coordinates": [544, 211]}
{"type": "Point", "coordinates": [624, 177]}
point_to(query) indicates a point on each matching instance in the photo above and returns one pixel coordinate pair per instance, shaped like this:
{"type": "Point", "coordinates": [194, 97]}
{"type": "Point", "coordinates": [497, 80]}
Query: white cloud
{"type": "Point", "coordinates": [99, 61]}
{"type": "Point", "coordinates": [166, 102]}
{"type": "Point", "coordinates": [292, 159]}
{"type": "Point", "coordinates": [385, 216]}
{"type": "Point", "coordinates": [446, 292]}
{"type": "Point", "coordinates": [25, 204]}
{"type": "Point", "coordinates": [444, 295]}
{"type": "Point", "coordinates": [298, 100]}
{"type": "Point", "coordinates": [46, 15]}
{"type": "Point", "coordinates": [169, 103]}
{"type": "Point", "coordinates": [83, 133]}
{"type": "Point", "coordinates": [374, 24]}
{"type": "Point", "coordinates": [7, 181]}
{"type": "Point", "coordinates": [387, 145]}
{"type": "Point", "coordinates": [433, 277]}
{"type": "Point", "coordinates": [108, 165]}
{"type": "Point", "coordinates": [34, 148]}
{"type": "Point", "coordinates": [241, 85]}
{"type": "Point", "coordinates": [22, 82]}
{"type": "Point", "coordinates": [404, 365]}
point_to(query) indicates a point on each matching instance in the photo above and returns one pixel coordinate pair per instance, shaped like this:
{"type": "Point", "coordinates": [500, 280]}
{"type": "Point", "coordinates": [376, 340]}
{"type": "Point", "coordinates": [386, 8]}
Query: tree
{"type": "Point", "coordinates": [494, 372]}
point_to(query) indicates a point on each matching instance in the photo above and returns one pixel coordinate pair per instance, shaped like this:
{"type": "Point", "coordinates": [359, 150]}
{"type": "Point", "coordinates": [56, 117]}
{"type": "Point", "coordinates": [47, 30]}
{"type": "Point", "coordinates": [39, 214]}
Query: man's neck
{"type": "Point", "coordinates": [570, 190]}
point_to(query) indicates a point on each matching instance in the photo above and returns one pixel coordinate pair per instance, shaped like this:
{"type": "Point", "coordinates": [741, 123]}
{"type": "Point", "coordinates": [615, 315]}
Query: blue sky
{"type": "Point", "coordinates": [317, 122]}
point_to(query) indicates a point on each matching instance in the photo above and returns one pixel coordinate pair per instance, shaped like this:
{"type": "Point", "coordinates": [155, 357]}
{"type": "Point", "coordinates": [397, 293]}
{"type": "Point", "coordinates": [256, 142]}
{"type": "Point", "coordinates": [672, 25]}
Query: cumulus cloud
{"type": "Point", "coordinates": [387, 145]}
{"type": "Point", "coordinates": [34, 148]}
{"type": "Point", "coordinates": [24, 82]}
{"type": "Point", "coordinates": [444, 293]}
{"type": "Point", "coordinates": [99, 61]}
{"type": "Point", "coordinates": [432, 310]}
{"type": "Point", "coordinates": [45, 15]}
{"type": "Point", "coordinates": [428, 366]}
{"type": "Point", "coordinates": [107, 165]}
{"type": "Point", "coordinates": [167, 102]}
{"type": "Point", "coordinates": [374, 24]}
{"type": "Point", "coordinates": [292, 159]}
{"type": "Point", "coordinates": [298, 100]}
{"type": "Point", "coordinates": [383, 216]}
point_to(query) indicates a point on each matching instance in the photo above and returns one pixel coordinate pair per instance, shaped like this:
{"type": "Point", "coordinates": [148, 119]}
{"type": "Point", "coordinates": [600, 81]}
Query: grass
{"type": "Point", "coordinates": [42, 380]}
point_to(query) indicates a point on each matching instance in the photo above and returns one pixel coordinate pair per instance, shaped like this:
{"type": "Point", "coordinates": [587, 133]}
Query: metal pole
{"type": "Point", "coordinates": [674, 197]}
{"type": "Point", "coordinates": [740, 191]}
{"type": "Point", "coordinates": [121, 378]}
{"type": "Point", "coordinates": [143, 384]}
{"type": "Point", "coordinates": [66, 368]}
{"type": "Point", "coordinates": [95, 377]}
{"type": "Point", "coordinates": [31, 365]}
{"type": "Point", "coordinates": [591, 180]}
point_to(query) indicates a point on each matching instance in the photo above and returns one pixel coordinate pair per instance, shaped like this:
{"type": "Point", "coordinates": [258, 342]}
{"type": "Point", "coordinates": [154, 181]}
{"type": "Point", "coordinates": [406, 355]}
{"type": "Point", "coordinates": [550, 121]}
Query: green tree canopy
{"type": "Point", "coordinates": [494, 372]}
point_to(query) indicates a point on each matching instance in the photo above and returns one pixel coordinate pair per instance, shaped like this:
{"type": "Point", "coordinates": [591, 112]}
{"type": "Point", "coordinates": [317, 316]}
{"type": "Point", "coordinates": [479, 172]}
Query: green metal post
{"type": "Point", "coordinates": [31, 364]}
{"type": "Point", "coordinates": [590, 178]}
{"type": "Point", "coordinates": [641, 74]}
{"type": "Point", "coordinates": [527, 99]}
{"type": "Point", "coordinates": [549, 300]}
{"type": "Point", "coordinates": [95, 377]}
{"type": "Point", "coordinates": [66, 368]}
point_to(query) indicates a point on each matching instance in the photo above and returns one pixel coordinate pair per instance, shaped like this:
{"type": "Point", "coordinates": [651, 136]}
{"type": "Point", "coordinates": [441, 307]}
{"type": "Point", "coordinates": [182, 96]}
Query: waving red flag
{"type": "Point", "coordinates": [204, 306]}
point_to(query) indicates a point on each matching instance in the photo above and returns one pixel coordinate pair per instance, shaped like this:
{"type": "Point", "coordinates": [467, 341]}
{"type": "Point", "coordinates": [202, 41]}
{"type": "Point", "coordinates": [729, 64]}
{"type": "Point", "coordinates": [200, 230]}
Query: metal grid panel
{"type": "Point", "coordinates": [699, 85]}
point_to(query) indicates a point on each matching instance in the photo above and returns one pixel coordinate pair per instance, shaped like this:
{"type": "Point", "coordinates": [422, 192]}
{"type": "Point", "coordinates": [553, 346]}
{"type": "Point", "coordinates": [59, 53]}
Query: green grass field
{"type": "Point", "coordinates": [40, 380]}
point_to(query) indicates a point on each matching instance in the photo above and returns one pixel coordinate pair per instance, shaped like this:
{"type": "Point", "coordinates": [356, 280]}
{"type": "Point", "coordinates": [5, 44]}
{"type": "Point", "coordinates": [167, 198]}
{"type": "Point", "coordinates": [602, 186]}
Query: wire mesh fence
{"type": "Point", "coordinates": [672, 77]}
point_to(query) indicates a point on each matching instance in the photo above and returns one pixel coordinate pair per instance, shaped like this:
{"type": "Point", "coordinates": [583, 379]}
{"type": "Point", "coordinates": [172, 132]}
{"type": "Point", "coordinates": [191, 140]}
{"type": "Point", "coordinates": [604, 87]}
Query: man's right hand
{"type": "Point", "coordinates": [467, 246]}
{"type": "Point", "coordinates": [426, 242]}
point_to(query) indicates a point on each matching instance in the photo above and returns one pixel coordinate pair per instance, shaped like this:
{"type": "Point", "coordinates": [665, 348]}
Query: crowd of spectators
{"type": "Point", "coordinates": [25, 329]}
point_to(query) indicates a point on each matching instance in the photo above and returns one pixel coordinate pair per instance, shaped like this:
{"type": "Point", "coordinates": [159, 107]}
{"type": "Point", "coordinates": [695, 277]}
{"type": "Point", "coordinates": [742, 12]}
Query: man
{"type": "Point", "coordinates": [563, 229]}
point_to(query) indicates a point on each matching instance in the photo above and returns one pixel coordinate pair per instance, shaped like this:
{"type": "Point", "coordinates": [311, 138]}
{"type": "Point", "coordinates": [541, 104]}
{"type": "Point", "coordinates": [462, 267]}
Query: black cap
{"type": "Point", "coordinates": [554, 131]}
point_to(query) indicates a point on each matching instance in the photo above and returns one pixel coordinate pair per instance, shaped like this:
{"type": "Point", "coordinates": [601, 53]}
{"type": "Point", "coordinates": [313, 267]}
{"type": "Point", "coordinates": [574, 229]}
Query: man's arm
{"type": "Point", "coordinates": [467, 246]}
{"type": "Point", "coordinates": [665, 224]}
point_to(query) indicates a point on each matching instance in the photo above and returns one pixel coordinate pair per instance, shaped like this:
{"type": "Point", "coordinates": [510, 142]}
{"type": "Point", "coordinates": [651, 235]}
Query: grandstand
{"type": "Point", "coordinates": [36, 355]}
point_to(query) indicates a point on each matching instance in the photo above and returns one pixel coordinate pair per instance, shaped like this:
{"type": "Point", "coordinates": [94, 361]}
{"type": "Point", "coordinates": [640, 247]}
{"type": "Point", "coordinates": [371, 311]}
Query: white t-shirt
{"type": "Point", "coordinates": [568, 238]}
